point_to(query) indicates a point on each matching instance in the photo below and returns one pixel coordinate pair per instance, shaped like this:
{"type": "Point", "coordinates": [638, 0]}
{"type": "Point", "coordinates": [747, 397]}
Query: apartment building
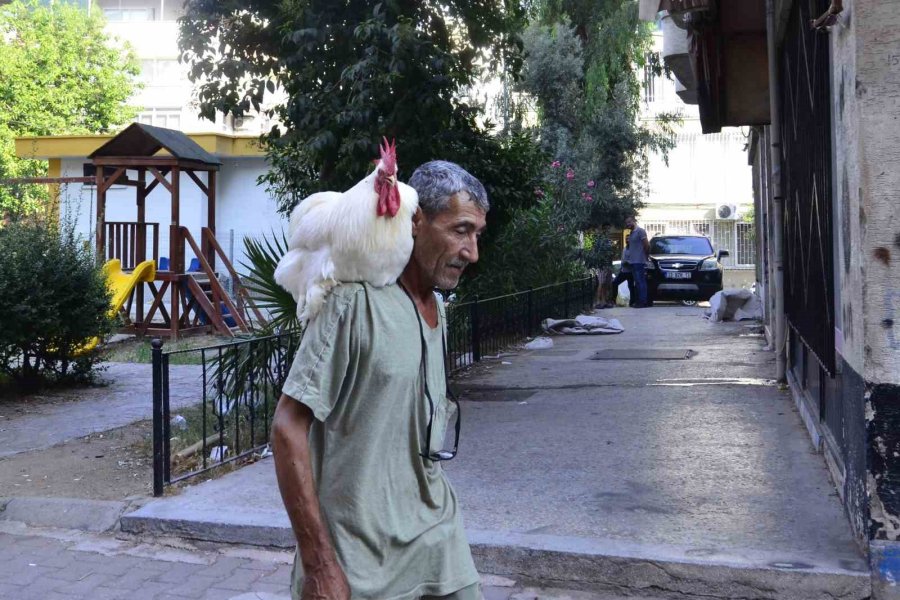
{"type": "Point", "coordinates": [705, 187]}
{"type": "Point", "coordinates": [167, 98]}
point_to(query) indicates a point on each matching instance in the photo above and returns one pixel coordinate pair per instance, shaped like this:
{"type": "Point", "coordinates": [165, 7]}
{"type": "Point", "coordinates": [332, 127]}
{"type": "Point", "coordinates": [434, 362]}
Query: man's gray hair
{"type": "Point", "coordinates": [437, 181]}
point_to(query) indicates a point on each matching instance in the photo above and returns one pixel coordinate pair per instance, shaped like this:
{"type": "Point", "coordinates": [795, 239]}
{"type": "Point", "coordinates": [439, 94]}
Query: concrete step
{"type": "Point", "coordinates": [585, 564]}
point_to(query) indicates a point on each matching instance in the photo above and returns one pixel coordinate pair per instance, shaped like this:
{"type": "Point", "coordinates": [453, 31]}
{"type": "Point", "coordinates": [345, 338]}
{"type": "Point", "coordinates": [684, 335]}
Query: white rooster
{"type": "Point", "coordinates": [363, 234]}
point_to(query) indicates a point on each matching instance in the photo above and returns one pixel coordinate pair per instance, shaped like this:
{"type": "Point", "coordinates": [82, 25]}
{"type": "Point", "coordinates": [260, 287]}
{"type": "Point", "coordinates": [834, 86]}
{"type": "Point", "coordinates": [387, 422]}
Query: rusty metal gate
{"type": "Point", "coordinates": [806, 132]}
{"type": "Point", "coordinates": [805, 77]}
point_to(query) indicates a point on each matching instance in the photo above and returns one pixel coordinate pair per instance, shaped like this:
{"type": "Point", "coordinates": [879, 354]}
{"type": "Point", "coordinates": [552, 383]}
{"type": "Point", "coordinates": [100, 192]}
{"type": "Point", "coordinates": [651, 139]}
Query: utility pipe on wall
{"type": "Point", "coordinates": [777, 192]}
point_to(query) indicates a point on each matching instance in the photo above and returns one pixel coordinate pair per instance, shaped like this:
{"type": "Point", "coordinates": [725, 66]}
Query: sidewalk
{"type": "Point", "coordinates": [681, 476]}
{"type": "Point", "coordinates": [48, 564]}
{"type": "Point", "coordinates": [71, 414]}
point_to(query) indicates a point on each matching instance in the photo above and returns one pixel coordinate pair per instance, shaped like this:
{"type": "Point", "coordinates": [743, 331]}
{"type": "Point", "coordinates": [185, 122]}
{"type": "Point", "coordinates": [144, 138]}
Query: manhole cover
{"type": "Point", "coordinates": [641, 354]}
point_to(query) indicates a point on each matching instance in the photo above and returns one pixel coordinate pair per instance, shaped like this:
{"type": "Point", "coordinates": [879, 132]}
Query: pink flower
{"type": "Point", "coordinates": [570, 174]}
{"type": "Point", "coordinates": [539, 192]}
{"type": "Point", "coordinates": [555, 164]}
{"type": "Point", "coordinates": [591, 183]}
{"type": "Point", "coordinates": [587, 197]}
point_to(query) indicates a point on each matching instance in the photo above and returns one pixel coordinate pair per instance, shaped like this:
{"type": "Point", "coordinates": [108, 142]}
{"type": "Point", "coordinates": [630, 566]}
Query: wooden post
{"type": "Point", "coordinates": [176, 251]}
{"type": "Point", "coordinates": [210, 217]}
{"type": "Point", "coordinates": [176, 262]}
{"type": "Point", "coordinates": [101, 217]}
{"type": "Point", "coordinates": [141, 240]}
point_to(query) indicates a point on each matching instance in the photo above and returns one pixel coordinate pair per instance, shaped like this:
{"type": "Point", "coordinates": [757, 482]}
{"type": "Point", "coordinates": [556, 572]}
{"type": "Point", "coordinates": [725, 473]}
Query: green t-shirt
{"type": "Point", "coordinates": [393, 516]}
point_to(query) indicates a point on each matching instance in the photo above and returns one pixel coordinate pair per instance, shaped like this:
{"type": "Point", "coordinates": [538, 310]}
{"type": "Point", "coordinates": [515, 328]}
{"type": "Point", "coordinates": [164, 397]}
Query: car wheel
{"type": "Point", "coordinates": [688, 302]}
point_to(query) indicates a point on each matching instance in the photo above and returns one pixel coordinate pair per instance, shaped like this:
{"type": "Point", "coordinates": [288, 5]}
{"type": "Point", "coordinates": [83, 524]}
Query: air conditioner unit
{"type": "Point", "coordinates": [726, 212]}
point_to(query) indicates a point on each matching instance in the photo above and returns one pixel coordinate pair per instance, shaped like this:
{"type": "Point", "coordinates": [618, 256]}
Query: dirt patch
{"type": "Point", "coordinates": [13, 406]}
{"type": "Point", "coordinates": [112, 465]}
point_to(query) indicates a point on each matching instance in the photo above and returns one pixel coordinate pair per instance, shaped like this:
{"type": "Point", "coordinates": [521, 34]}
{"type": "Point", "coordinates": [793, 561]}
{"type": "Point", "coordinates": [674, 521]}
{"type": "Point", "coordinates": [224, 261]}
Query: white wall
{"type": "Point", "coordinates": [244, 208]}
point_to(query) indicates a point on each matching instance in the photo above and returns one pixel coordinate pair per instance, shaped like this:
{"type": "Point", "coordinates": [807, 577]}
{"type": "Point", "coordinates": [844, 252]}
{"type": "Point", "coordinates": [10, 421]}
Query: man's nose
{"type": "Point", "coordinates": [469, 251]}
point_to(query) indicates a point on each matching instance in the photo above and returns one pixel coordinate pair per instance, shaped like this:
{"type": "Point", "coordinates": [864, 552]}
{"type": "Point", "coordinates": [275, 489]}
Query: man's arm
{"type": "Point", "coordinates": [324, 579]}
{"type": "Point", "coordinates": [646, 242]}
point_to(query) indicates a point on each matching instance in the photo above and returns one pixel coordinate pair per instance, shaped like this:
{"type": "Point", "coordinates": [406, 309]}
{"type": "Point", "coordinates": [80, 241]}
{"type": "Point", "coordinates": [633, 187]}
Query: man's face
{"type": "Point", "coordinates": [448, 242]}
{"type": "Point", "coordinates": [630, 223]}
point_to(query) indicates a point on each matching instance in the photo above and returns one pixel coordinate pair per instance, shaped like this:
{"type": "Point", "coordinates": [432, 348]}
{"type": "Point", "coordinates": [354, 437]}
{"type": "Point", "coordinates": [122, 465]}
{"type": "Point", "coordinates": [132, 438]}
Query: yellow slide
{"type": "Point", "coordinates": [121, 284]}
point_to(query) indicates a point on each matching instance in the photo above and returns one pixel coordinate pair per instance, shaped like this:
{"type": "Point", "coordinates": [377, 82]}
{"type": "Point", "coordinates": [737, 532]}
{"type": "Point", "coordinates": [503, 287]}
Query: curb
{"type": "Point", "coordinates": [595, 565]}
{"type": "Point", "coordinates": [612, 565]}
{"type": "Point", "coordinates": [95, 516]}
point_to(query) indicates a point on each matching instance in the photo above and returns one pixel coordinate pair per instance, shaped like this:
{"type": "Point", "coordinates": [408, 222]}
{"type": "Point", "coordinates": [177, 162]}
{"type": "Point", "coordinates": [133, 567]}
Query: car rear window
{"type": "Point", "coordinates": [680, 245]}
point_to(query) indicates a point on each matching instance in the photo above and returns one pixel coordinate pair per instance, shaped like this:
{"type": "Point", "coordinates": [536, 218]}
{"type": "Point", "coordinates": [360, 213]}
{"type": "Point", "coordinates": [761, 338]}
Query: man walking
{"type": "Point", "coordinates": [357, 431]}
{"type": "Point", "coordinates": [637, 253]}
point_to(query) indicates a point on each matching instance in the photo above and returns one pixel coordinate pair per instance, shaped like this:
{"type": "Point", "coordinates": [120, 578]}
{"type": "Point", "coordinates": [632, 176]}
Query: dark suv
{"type": "Point", "coordinates": [684, 267]}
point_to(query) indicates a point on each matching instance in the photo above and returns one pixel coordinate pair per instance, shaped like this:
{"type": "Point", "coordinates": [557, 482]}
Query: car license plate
{"type": "Point", "coordinates": [677, 275]}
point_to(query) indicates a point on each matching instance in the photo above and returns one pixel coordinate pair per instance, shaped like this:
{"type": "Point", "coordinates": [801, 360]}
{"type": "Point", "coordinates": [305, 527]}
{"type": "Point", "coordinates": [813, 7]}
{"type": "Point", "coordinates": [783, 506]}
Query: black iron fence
{"type": "Point", "coordinates": [239, 382]}
{"type": "Point", "coordinates": [484, 327]}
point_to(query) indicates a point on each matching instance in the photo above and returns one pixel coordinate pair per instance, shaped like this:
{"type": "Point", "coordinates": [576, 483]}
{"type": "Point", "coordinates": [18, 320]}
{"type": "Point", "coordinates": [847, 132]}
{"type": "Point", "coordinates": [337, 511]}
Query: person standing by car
{"type": "Point", "coordinates": [624, 274]}
{"type": "Point", "coordinates": [637, 253]}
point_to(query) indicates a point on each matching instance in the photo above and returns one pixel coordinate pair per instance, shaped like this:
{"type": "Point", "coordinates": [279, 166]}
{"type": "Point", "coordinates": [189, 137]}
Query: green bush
{"type": "Point", "coordinates": [53, 300]}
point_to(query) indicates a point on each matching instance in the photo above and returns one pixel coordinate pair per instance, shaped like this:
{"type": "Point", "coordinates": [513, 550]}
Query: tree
{"type": "Point", "coordinates": [581, 67]}
{"type": "Point", "coordinates": [59, 74]}
{"type": "Point", "coordinates": [351, 72]}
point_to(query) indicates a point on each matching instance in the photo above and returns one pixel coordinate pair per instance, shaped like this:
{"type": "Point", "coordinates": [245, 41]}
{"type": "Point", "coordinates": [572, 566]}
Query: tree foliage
{"type": "Point", "coordinates": [582, 60]}
{"type": "Point", "coordinates": [350, 72]}
{"type": "Point", "coordinates": [59, 74]}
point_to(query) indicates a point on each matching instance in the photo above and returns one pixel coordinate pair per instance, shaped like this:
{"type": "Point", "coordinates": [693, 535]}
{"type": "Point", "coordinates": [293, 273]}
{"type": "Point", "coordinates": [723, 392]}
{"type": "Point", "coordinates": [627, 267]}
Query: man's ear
{"type": "Point", "coordinates": [417, 221]}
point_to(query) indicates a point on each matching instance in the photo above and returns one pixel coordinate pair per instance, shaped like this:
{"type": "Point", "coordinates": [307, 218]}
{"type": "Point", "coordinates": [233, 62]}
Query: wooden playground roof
{"type": "Point", "coordinates": [140, 141]}
{"type": "Point", "coordinates": [56, 147]}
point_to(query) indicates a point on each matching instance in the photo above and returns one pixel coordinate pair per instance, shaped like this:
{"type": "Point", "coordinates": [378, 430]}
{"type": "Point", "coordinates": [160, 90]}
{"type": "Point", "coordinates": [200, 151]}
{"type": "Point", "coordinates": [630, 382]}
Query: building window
{"type": "Point", "coordinates": [129, 14]}
{"type": "Point", "coordinates": [649, 85]}
{"type": "Point", "coordinates": [170, 118]}
{"type": "Point", "coordinates": [162, 72]}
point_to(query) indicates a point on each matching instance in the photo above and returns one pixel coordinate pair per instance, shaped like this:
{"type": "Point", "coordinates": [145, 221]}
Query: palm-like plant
{"type": "Point", "coordinates": [259, 362]}
{"type": "Point", "coordinates": [262, 259]}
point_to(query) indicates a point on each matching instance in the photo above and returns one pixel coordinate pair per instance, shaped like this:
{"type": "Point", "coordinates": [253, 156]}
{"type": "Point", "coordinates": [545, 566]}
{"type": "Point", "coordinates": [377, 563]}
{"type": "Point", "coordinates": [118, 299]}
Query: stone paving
{"type": "Point", "coordinates": [127, 398]}
{"type": "Point", "coordinates": [47, 564]}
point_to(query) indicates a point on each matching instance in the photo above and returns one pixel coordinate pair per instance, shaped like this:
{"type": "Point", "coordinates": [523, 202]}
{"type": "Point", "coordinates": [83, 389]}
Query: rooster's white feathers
{"type": "Point", "coordinates": [363, 234]}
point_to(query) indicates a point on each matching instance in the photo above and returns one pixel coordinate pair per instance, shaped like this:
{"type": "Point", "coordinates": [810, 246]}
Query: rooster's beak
{"type": "Point", "coordinates": [393, 180]}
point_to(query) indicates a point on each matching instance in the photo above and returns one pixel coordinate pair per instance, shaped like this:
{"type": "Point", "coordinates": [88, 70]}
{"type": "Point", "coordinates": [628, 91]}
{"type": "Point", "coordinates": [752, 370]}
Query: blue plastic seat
{"type": "Point", "coordinates": [195, 265]}
{"type": "Point", "coordinates": [163, 263]}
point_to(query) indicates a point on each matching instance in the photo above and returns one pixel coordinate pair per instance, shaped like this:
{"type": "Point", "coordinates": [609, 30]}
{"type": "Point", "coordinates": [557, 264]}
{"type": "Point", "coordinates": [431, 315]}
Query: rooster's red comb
{"type": "Point", "coordinates": [389, 156]}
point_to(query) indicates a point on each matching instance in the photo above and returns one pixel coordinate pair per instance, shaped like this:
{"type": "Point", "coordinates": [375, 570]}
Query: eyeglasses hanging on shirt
{"type": "Point", "coordinates": [437, 455]}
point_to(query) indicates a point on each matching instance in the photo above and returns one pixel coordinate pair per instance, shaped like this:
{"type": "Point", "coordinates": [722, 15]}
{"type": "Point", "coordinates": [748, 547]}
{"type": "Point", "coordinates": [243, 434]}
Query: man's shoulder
{"type": "Point", "coordinates": [347, 291]}
{"type": "Point", "coordinates": [354, 293]}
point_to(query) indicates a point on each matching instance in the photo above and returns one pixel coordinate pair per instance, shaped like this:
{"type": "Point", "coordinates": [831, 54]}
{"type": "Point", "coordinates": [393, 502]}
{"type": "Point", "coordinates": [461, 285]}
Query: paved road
{"type": "Point", "coordinates": [41, 564]}
{"type": "Point", "coordinates": [62, 416]}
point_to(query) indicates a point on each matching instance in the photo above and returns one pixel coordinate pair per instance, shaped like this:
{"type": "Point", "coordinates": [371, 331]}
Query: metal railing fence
{"type": "Point", "coordinates": [484, 327]}
{"type": "Point", "coordinates": [240, 383]}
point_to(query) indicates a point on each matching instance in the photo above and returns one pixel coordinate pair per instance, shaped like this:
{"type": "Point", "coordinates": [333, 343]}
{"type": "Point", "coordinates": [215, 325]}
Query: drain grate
{"type": "Point", "coordinates": [642, 354]}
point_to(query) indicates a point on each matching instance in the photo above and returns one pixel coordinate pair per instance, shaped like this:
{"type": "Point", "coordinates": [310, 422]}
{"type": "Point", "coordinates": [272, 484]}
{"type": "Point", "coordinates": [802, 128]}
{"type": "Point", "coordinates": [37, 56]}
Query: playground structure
{"type": "Point", "coordinates": [182, 301]}
{"type": "Point", "coordinates": [197, 301]}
